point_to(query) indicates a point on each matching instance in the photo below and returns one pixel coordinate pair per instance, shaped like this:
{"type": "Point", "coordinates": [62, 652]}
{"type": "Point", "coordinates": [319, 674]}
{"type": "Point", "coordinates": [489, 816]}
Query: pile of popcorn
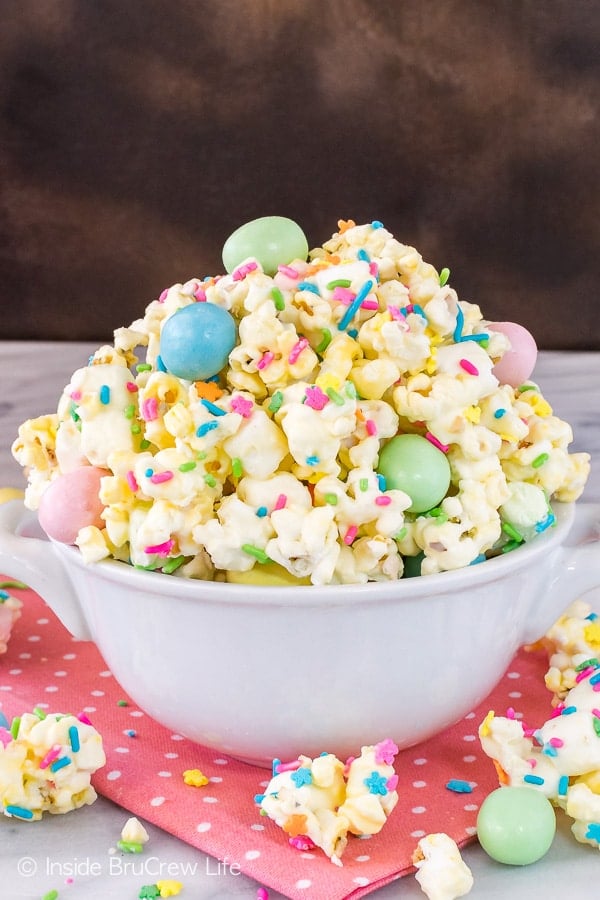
{"type": "Point", "coordinates": [274, 459]}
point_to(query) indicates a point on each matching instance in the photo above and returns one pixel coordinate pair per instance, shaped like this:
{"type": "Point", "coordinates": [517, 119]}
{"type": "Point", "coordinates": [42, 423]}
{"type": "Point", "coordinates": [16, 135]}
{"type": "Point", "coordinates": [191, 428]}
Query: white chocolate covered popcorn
{"type": "Point", "coordinates": [46, 763]}
{"type": "Point", "coordinates": [272, 454]}
{"type": "Point", "coordinates": [441, 871]}
{"type": "Point", "coordinates": [318, 802]}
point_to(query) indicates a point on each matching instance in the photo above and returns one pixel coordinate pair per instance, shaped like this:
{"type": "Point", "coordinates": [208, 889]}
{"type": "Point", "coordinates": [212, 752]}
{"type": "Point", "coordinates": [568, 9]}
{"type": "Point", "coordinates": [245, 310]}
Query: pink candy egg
{"type": "Point", "coordinates": [518, 362]}
{"type": "Point", "coordinates": [71, 502]}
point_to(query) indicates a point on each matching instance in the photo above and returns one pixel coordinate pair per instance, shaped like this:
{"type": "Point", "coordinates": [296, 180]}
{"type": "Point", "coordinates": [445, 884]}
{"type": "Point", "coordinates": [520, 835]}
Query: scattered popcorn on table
{"type": "Point", "coordinates": [46, 762]}
{"type": "Point", "coordinates": [133, 836]}
{"type": "Point", "coordinates": [286, 412]}
{"type": "Point", "coordinates": [317, 802]}
{"type": "Point", "coordinates": [441, 871]}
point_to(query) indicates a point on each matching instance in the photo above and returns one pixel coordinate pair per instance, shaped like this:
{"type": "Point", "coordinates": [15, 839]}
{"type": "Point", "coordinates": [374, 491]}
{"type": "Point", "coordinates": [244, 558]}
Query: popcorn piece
{"type": "Point", "coordinates": [441, 871]}
{"type": "Point", "coordinates": [10, 610]}
{"type": "Point", "coordinates": [322, 800]}
{"type": "Point", "coordinates": [46, 765]}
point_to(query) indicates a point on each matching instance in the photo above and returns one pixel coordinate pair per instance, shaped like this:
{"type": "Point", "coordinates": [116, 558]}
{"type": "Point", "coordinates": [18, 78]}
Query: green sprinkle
{"type": "Point", "coordinates": [51, 895]}
{"type": "Point", "coordinates": [144, 444]}
{"type": "Point", "coordinates": [122, 703]}
{"type": "Point", "coordinates": [210, 480]}
{"type": "Point", "coordinates": [441, 517]}
{"type": "Point", "coordinates": [143, 367]}
{"type": "Point", "coordinates": [278, 298]}
{"type": "Point", "coordinates": [136, 428]}
{"type": "Point", "coordinates": [485, 343]}
{"type": "Point", "coordinates": [364, 484]}
{"type": "Point", "coordinates": [325, 341]}
{"type": "Point", "coordinates": [338, 282]}
{"type": "Point", "coordinates": [331, 499]}
{"type": "Point", "coordinates": [129, 411]}
{"type": "Point", "coordinates": [276, 401]}
{"type": "Point", "coordinates": [14, 726]}
{"type": "Point", "coordinates": [39, 712]}
{"type": "Point", "coordinates": [130, 846]}
{"type": "Point", "coordinates": [540, 460]}
{"type": "Point", "coordinates": [187, 466]}
{"type": "Point", "coordinates": [526, 387]}
{"type": "Point", "coordinates": [596, 723]}
{"type": "Point", "coordinates": [13, 584]}
{"type": "Point", "coordinates": [511, 545]}
{"type": "Point", "coordinates": [512, 532]}
{"type": "Point", "coordinates": [172, 564]}
{"type": "Point", "coordinates": [401, 534]}
{"type": "Point", "coordinates": [236, 467]}
{"type": "Point", "coordinates": [587, 663]}
{"type": "Point", "coordinates": [256, 552]}
{"type": "Point", "coordinates": [351, 390]}
{"type": "Point", "coordinates": [435, 512]}
{"type": "Point", "coordinates": [444, 276]}
{"type": "Point", "coordinates": [73, 412]}
{"type": "Point", "coordinates": [334, 396]}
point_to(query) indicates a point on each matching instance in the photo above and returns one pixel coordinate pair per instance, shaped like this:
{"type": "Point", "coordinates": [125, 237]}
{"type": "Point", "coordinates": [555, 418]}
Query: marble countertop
{"type": "Point", "coordinates": [36, 859]}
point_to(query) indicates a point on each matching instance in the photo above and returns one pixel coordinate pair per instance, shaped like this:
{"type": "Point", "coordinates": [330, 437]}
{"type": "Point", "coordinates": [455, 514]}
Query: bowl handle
{"type": "Point", "coordinates": [33, 560]}
{"type": "Point", "coordinates": [576, 567]}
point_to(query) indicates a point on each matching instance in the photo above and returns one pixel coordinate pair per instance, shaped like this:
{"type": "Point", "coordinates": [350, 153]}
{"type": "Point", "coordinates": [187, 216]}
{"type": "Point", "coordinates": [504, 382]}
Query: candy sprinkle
{"type": "Point", "coordinates": [355, 305]}
{"type": "Point", "coordinates": [468, 367]}
{"type": "Point", "coordinates": [256, 552]}
{"type": "Point", "coordinates": [459, 786]}
{"type": "Point", "coordinates": [18, 811]}
{"type": "Point", "coordinates": [444, 276]}
{"type": "Point", "coordinates": [436, 443]}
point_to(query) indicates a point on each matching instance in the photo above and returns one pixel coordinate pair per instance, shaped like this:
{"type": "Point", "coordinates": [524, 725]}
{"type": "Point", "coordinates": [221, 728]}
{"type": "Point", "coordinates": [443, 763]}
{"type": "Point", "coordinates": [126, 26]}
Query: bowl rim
{"type": "Point", "coordinates": [401, 590]}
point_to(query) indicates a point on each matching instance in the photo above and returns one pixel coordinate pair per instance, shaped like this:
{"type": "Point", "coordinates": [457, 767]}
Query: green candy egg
{"type": "Point", "coordinates": [412, 464]}
{"type": "Point", "coordinates": [516, 825]}
{"type": "Point", "coordinates": [272, 240]}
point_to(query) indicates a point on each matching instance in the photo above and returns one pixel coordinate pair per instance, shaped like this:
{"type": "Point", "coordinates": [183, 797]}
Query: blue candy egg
{"type": "Point", "coordinates": [196, 341]}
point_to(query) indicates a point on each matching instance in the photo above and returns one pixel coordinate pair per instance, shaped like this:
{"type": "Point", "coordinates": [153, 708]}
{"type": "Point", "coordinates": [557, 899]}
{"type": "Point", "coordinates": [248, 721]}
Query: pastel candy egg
{"type": "Point", "coordinates": [195, 342]}
{"type": "Point", "coordinates": [411, 463]}
{"type": "Point", "coordinates": [272, 240]}
{"type": "Point", "coordinates": [516, 825]}
{"type": "Point", "coordinates": [270, 574]}
{"type": "Point", "coordinates": [71, 502]}
{"type": "Point", "coordinates": [518, 362]}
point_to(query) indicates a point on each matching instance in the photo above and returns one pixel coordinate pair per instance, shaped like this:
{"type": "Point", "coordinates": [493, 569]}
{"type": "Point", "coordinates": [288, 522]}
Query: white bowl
{"type": "Point", "coordinates": [260, 672]}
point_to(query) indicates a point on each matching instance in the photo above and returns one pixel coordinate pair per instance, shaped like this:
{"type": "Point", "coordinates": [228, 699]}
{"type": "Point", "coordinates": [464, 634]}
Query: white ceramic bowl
{"type": "Point", "coordinates": [260, 672]}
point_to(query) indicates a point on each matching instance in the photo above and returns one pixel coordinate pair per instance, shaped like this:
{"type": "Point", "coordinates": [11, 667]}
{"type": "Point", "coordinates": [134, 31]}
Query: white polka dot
{"type": "Point", "coordinates": [470, 715]}
{"type": "Point", "coordinates": [89, 709]}
{"type": "Point", "coordinates": [515, 695]}
{"type": "Point", "coordinates": [419, 784]}
{"type": "Point", "coordinates": [209, 800]}
{"type": "Point", "coordinates": [215, 779]}
{"type": "Point", "coordinates": [5, 687]}
{"type": "Point", "coordinates": [306, 855]}
{"type": "Point", "coordinates": [203, 826]}
{"type": "Point", "coordinates": [24, 655]}
{"type": "Point", "coordinates": [303, 883]}
{"type": "Point", "coordinates": [470, 807]}
{"type": "Point", "coordinates": [164, 774]}
{"type": "Point", "coordinates": [469, 737]}
{"type": "Point", "coordinates": [419, 809]}
{"type": "Point", "coordinates": [60, 674]}
{"type": "Point", "coordinates": [257, 827]}
{"type": "Point", "coordinates": [33, 638]}
{"type": "Point", "coordinates": [361, 882]}
{"type": "Point", "coordinates": [97, 693]}
{"type": "Point", "coordinates": [70, 656]}
{"type": "Point", "coordinates": [471, 829]}
{"type": "Point", "coordinates": [136, 713]}
{"type": "Point", "coordinates": [157, 801]}
{"type": "Point", "coordinates": [469, 758]}
{"type": "Point", "coordinates": [42, 705]}
{"type": "Point", "coordinates": [513, 675]}
{"type": "Point", "coordinates": [221, 762]}
{"type": "Point", "coordinates": [365, 837]}
{"type": "Point", "coordinates": [251, 854]}
{"type": "Point", "coordinates": [363, 858]}
{"type": "Point", "coordinates": [420, 761]}
{"type": "Point", "coordinates": [42, 621]}
{"type": "Point", "coordinates": [113, 775]}
{"type": "Point", "coordinates": [121, 749]}
{"type": "Point", "coordinates": [15, 671]}
{"type": "Point", "coordinates": [418, 834]}
{"type": "Point", "coordinates": [176, 737]}
{"type": "Point", "coordinates": [105, 674]}
{"type": "Point", "coordinates": [171, 755]}
{"type": "Point", "coordinates": [264, 783]}
{"type": "Point", "coordinates": [51, 689]}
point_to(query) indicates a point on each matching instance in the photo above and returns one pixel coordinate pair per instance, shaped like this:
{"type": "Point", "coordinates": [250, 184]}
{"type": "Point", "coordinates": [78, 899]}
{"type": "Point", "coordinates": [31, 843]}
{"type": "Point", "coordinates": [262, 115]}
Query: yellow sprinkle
{"type": "Point", "coordinates": [328, 380]}
{"type": "Point", "coordinates": [540, 406]}
{"type": "Point", "coordinates": [434, 339]}
{"type": "Point", "coordinates": [484, 728]}
{"type": "Point", "coordinates": [195, 777]}
{"type": "Point", "coordinates": [508, 437]}
{"type": "Point", "coordinates": [431, 364]}
{"type": "Point", "coordinates": [473, 414]}
{"type": "Point", "coordinates": [169, 888]}
{"type": "Point", "coordinates": [591, 633]}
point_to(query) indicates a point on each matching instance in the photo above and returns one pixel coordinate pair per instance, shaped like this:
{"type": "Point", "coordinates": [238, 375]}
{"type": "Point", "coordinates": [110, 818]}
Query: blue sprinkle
{"type": "Point", "coordinates": [74, 738]}
{"type": "Point", "coordinates": [482, 336]}
{"type": "Point", "coordinates": [213, 408]}
{"type": "Point", "coordinates": [460, 321]}
{"type": "Point", "coordinates": [19, 811]}
{"type": "Point", "coordinates": [595, 678]}
{"type": "Point", "coordinates": [307, 286]}
{"type": "Point", "coordinates": [499, 413]}
{"type": "Point", "coordinates": [414, 308]}
{"type": "Point", "coordinates": [549, 750]}
{"type": "Point", "coordinates": [4, 595]}
{"type": "Point", "coordinates": [563, 784]}
{"type": "Point", "coordinates": [592, 617]}
{"type": "Point", "coordinates": [377, 224]}
{"type": "Point", "coordinates": [301, 777]}
{"type": "Point", "coordinates": [131, 733]}
{"type": "Point", "coordinates": [261, 512]}
{"type": "Point", "coordinates": [275, 768]}
{"type": "Point", "coordinates": [312, 460]}
{"type": "Point", "coordinates": [353, 332]}
{"type": "Point", "coordinates": [547, 522]}
{"type": "Point", "coordinates": [459, 786]}
{"type": "Point", "coordinates": [593, 831]}
{"type": "Point", "coordinates": [355, 305]}
{"type": "Point", "coordinates": [149, 473]}
{"type": "Point", "coordinates": [478, 559]}
{"type": "Point", "coordinates": [533, 779]}
{"type": "Point", "coordinates": [60, 763]}
{"type": "Point", "coordinates": [568, 710]}
{"type": "Point", "coordinates": [105, 395]}
{"type": "Point", "coordinates": [363, 255]}
{"type": "Point", "coordinates": [382, 483]}
{"type": "Point", "coordinates": [205, 428]}
{"type": "Point", "coordinates": [258, 798]}
{"type": "Point", "coordinates": [4, 723]}
{"type": "Point", "coordinates": [160, 364]}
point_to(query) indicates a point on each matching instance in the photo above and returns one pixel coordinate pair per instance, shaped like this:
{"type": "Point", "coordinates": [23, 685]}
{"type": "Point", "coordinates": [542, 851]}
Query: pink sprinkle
{"type": "Point", "coordinates": [385, 751]}
{"type": "Point", "coordinates": [369, 304]}
{"type": "Point", "coordinates": [149, 409]}
{"type": "Point", "coordinates": [200, 295]}
{"type": "Point", "coordinates": [557, 711]}
{"type": "Point", "coordinates": [510, 713]}
{"type": "Point", "coordinates": [373, 269]}
{"type": "Point", "coordinates": [371, 427]}
{"type": "Point", "coordinates": [262, 894]}
{"type": "Point", "coordinates": [265, 360]}
{"type": "Point", "coordinates": [160, 477]}
{"type": "Point", "coordinates": [163, 296]}
{"type": "Point", "coordinates": [395, 313]}
{"type": "Point", "coordinates": [316, 398]}
{"type": "Point", "coordinates": [584, 674]}
{"type": "Point", "coordinates": [436, 443]}
{"type": "Point", "coordinates": [596, 712]}
{"type": "Point", "coordinates": [288, 767]}
{"type": "Point", "coordinates": [280, 502]}
{"type": "Point", "coordinates": [382, 500]}
{"type": "Point", "coordinates": [556, 742]}
{"type": "Point", "coordinates": [131, 481]}
{"type": "Point", "coordinates": [297, 350]}
{"type": "Point", "coordinates": [132, 387]}
{"type": "Point", "coordinates": [392, 783]}
{"type": "Point", "coordinates": [83, 718]}
{"type": "Point", "coordinates": [468, 367]}
{"type": "Point", "coordinates": [50, 756]}
{"type": "Point", "coordinates": [350, 534]}
{"type": "Point", "coordinates": [302, 842]}
{"type": "Point", "coordinates": [242, 406]}
{"type": "Point", "coordinates": [288, 271]}
{"type": "Point", "coordinates": [160, 549]}
{"type": "Point", "coordinates": [240, 273]}
{"type": "Point", "coordinates": [532, 762]}
{"type": "Point", "coordinates": [343, 295]}
{"type": "Point", "coordinates": [75, 395]}
{"type": "Point", "coordinates": [596, 687]}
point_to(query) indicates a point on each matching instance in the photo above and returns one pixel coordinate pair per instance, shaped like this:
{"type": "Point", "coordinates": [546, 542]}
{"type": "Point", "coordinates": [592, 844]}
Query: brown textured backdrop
{"type": "Point", "coordinates": [137, 134]}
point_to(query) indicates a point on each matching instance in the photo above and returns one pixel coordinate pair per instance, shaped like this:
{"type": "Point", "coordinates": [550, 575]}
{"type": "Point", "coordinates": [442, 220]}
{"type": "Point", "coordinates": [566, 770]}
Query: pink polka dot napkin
{"type": "Point", "coordinates": [44, 666]}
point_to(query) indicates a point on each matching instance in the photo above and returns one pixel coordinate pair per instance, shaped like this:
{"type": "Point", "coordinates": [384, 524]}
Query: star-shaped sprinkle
{"type": "Point", "coordinates": [315, 398]}
{"type": "Point", "coordinates": [295, 825]}
{"type": "Point", "coordinates": [169, 888]}
{"type": "Point", "coordinates": [593, 831]}
{"type": "Point", "coordinates": [195, 778]}
{"type": "Point", "coordinates": [376, 783]}
{"type": "Point", "coordinates": [242, 406]}
{"type": "Point", "coordinates": [301, 776]}
{"type": "Point", "coordinates": [385, 751]}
